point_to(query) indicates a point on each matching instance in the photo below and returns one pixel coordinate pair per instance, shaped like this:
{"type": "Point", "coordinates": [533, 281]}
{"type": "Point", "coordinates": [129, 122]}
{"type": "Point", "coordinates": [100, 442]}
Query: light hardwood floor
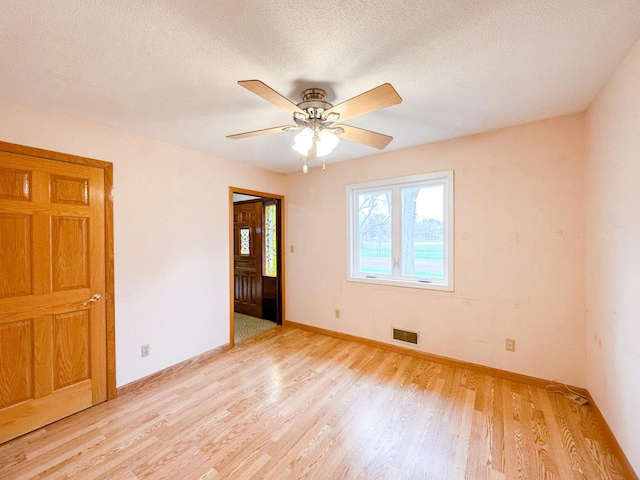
{"type": "Point", "coordinates": [290, 403]}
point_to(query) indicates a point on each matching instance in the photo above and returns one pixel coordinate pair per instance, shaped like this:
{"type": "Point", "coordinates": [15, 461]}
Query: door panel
{"type": "Point", "coordinates": [69, 253]}
{"type": "Point", "coordinates": [70, 348]}
{"type": "Point", "coordinates": [247, 228]}
{"type": "Point", "coordinates": [16, 363]}
{"type": "Point", "coordinates": [15, 246]}
{"type": "Point", "coordinates": [52, 260]}
{"type": "Point", "coordinates": [14, 184]}
{"type": "Point", "coordinates": [69, 190]}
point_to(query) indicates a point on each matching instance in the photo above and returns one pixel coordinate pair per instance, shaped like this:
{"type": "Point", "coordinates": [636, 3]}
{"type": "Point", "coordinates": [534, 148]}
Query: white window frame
{"type": "Point", "coordinates": [444, 178]}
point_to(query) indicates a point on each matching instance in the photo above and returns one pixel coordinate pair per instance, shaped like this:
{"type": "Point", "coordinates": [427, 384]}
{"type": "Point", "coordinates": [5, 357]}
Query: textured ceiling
{"type": "Point", "coordinates": [168, 69]}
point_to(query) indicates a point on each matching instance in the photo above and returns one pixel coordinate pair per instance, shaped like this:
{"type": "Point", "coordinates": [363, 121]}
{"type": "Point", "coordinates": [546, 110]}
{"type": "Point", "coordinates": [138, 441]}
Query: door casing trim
{"type": "Point", "coordinates": [107, 167]}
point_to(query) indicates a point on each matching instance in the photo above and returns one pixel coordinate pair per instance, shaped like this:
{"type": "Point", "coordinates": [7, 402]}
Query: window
{"type": "Point", "coordinates": [270, 241]}
{"type": "Point", "coordinates": [401, 231]}
{"type": "Point", "coordinates": [245, 241]}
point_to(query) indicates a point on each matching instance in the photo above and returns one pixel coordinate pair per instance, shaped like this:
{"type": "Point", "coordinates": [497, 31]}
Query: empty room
{"type": "Point", "coordinates": [320, 240]}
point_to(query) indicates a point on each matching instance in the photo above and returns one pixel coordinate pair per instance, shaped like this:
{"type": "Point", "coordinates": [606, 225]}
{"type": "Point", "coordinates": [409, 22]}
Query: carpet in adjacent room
{"type": "Point", "coordinates": [246, 326]}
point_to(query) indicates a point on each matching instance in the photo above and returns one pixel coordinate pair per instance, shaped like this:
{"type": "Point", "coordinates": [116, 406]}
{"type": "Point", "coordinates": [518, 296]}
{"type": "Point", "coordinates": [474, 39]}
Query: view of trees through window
{"type": "Point", "coordinates": [422, 231]}
{"type": "Point", "coordinates": [374, 249]}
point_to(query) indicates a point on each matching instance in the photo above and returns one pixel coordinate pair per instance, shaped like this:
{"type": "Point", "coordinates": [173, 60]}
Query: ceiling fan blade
{"type": "Point", "coordinates": [360, 135]}
{"type": "Point", "coordinates": [380, 97]}
{"type": "Point", "coordinates": [270, 95]}
{"type": "Point", "coordinates": [283, 128]}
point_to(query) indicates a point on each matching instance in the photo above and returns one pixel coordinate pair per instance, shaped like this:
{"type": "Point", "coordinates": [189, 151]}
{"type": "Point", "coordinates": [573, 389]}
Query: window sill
{"type": "Point", "coordinates": [402, 283]}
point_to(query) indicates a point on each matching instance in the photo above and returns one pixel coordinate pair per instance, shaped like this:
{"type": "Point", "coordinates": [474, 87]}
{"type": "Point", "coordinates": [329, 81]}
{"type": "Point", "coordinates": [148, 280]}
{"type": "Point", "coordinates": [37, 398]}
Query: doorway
{"type": "Point", "coordinates": [257, 264]}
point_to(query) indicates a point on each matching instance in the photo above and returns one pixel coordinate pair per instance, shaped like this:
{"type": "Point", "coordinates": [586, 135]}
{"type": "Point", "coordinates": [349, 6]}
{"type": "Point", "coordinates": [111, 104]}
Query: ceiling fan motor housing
{"type": "Point", "coordinates": [313, 102]}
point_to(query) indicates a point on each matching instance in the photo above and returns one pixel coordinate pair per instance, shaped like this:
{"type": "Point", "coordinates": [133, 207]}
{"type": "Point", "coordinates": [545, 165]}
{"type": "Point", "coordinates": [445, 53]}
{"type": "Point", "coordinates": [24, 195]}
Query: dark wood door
{"type": "Point", "coordinates": [247, 268]}
{"type": "Point", "coordinates": [52, 262]}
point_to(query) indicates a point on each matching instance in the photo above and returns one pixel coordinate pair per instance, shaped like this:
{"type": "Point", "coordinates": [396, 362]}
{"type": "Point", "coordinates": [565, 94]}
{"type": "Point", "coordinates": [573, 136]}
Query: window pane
{"type": "Point", "coordinates": [423, 232]}
{"type": "Point", "coordinates": [374, 232]}
{"type": "Point", "coordinates": [270, 250]}
{"type": "Point", "coordinates": [245, 239]}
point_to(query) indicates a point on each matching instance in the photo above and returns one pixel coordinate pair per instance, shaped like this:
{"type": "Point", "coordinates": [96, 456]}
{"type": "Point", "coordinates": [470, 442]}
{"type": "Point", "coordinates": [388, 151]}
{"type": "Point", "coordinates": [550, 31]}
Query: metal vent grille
{"type": "Point", "coordinates": [405, 336]}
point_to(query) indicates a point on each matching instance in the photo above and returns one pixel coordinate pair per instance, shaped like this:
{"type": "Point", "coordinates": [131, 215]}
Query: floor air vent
{"type": "Point", "coordinates": [405, 336]}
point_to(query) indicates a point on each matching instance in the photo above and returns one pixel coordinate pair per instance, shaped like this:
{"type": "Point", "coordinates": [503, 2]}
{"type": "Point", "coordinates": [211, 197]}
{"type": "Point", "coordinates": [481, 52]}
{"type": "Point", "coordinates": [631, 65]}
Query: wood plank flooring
{"type": "Point", "coordinates": [293, 404]}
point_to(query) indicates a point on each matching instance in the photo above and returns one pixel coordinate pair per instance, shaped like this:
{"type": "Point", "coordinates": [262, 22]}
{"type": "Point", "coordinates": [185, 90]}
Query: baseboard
{"type": "Point", "coordinates": [628, 472]}
{"type": "Point", "coordinates": [496, 372]}
{"type": "Point", "coordinates": [145, 381]}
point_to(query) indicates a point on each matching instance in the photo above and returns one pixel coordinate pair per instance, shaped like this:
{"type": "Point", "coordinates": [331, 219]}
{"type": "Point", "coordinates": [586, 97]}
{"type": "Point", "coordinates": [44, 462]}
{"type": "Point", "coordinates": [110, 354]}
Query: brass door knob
{"type": "Point", "coordinates": [96, 298]}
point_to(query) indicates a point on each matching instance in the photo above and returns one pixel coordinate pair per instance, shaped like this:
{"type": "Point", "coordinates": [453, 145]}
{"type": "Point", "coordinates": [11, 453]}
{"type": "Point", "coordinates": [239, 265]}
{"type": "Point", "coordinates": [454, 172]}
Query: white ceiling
{"type": "Point", "coordinates": [167, 69]}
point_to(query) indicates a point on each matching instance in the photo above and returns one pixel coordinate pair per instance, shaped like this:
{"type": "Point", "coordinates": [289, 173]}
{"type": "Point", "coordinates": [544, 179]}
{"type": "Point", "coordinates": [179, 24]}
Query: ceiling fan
{"type": "Point", "coordinates": [317, 119]}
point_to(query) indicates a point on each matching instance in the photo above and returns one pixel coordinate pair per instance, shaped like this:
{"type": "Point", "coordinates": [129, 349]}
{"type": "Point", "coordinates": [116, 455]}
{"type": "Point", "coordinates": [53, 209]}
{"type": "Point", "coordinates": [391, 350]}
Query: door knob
{"type": "Point", "coordinates": [96, 298]}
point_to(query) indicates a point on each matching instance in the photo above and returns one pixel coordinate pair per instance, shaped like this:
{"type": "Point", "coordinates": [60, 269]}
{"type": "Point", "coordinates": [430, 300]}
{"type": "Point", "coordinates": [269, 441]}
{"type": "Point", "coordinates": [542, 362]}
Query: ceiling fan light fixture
{"type": "Point", "coordinates": [333, 117]}
{"type": "Point", "coordinates": [326, 142]}
{"type": "Point", "coordinates": [303, 141]}
{"type": "Point", "coordinates": [300, 149]}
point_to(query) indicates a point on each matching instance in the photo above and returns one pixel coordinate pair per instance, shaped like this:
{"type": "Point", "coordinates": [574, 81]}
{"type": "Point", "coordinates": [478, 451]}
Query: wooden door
{"type": "Point", "coordinates": [52, 261]}
{"type": "Point", "coordinates": [247, 266]}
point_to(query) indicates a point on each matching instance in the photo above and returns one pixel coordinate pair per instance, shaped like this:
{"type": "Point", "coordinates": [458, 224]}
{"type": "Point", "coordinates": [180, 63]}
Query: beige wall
{"type": "Point", "coordinates": [171, 234]}
{"type": "Point", "coordinates": [613, 227]}
{"type": "Point", "coordinates": [519, 251]}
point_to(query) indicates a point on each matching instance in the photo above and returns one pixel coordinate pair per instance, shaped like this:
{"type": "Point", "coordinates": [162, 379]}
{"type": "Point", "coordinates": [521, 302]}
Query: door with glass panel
{"type": "Point", "coordinates": [247, 234]}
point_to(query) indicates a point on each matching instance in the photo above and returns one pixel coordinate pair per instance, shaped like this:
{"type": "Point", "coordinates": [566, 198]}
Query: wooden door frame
{"type": "Point", "coordinates": [281, 276]}
{"type": "Point", "coordinates": [109, 299]}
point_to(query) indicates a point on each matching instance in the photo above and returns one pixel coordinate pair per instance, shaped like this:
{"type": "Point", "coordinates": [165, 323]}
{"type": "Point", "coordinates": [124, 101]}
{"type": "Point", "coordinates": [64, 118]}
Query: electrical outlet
{"type": "Point", "coordinates": [510, 345]}
{"type": "Point", "coordinates": [291, 249]}
{"type": "Point", "coordinates": [145, 350]}
{"type": "Point", "coordinates": [337, 313]}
